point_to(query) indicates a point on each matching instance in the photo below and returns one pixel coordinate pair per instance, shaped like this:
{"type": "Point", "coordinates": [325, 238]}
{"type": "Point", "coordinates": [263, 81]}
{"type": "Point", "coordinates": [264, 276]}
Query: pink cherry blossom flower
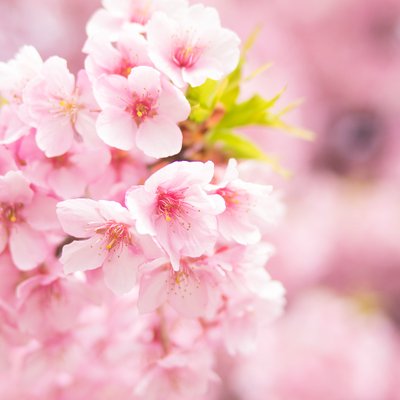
{"type": "Point", "coordinates": [116, 14]}
{"type": "Point", "coordinates": [250, 208]}
{"type": "Point", "coordinates": [109, 241]}
{"type": "Point", "coordinates": [174, 207]}
{"type": "Point", "coordinates": [60, 110]}
{"type": "Point", "coordinates": [24, 218]}
{"type": "Point", "coordinates": [14, 76]}
{"type": "Point", "coordinates": [68, 175]}
{"type": "Point", "coordinates": [48, 304]}
{"type": "Point", "coordinates": [142, 109]}
{"type": "Point", "coordinates": [192, 46]}
{"type": "Point", "coordinates": [181, 375]}
{"type": "Point", "coordinates": [189, 291]}
{"type": "Point", "coordinates": [106, 57]}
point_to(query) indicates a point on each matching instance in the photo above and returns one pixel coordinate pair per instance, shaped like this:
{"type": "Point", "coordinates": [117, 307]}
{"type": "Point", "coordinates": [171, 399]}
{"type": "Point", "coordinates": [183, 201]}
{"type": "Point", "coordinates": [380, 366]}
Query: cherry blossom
{"type": "Point", "coordinates": [250, 207]}
{"type": "Point", "coordinates": [25, 216]}
{"type": "Point", "coordinates": [189, 291]}
{"type": "Point", "coordinates": [61, 111]}
{"type": "Point", "coordinates": [67, 175]}
{"type": "Point", "coordinates": [116, 14]}
{"type": "Point", "coordinates": [14, 76]}
{"type": "Point", "coordinates": [108, 240]}
{"type": "Point", "coordinates": [119, 57]}
{"type": "Point", "coordinates": [144, 110]}
{"type": "Point", "coordinates": [174, 207]}
{"type": "Point", "coordinates": [191, 46]}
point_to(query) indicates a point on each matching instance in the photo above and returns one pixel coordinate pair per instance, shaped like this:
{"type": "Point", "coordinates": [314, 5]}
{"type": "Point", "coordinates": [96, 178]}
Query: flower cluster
{"type": "Point", "coordinates": [128, 240]}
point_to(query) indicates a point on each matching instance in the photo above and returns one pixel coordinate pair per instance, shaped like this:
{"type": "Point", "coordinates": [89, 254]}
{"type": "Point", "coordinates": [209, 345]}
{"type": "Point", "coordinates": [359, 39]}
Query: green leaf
{"type": "Point", "coordinates": [249, 43]}
{"type": "Point", "coordinates": [253, 111]}
{"type": "Point", "coordinates": [292, 130]}
{"type": "Point", "coordinates": [239, 147]}
{"type": "Point", "coordinates": [203, 100]}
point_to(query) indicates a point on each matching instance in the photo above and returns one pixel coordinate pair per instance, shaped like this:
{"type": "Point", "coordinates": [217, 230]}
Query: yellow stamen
{"type": "Point", "coordinates": [12, 217]}
{"type": "Point", "coordinates": [3, 101]}
{"type": "Point", "coordinates": [127, 71]}
{"type": "Point", "coordinates": [111, 244]}
{"type": "Point", "coordinates": [179, 277]}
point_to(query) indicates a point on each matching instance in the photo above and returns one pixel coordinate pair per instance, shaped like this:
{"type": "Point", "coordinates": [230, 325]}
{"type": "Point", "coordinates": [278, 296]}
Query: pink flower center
{"type": "Point", "coordinates": [141, 15]}
{"type": "Point", "coordinates": [115, 235]}
{"type": "Point", "coordinates": [60, 161]}
{"type": "Point", "coordinates": [230, 196]}
{"type": "Point", "coordinates": [69, 108]}
{"type": "Point", "coordinates": [143, 108]}
{"type": "Point", "coordinates": [124, 69]}
{"type": "Point", "coordinates": [9, 212]}
{"type": "Point", "coordinates": [186, 56]}
{"type": "Point", "coordinates": [182, 282]}
{"type": "Point", "coordinates": [170, 204]}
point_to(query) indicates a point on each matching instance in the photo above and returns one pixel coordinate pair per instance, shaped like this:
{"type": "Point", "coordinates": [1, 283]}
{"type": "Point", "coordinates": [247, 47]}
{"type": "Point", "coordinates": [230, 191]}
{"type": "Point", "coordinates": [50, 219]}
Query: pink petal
{"type": "Point", "coordinates": [3, 237]}
{"type": "Point", "coordinates": [120, 271]}
{"type": "Point", "coordinates": [182, 174]}
{"type": "Point", "coordinates": [103, 57]}
{"type": "Point", "coordinates": [116, 128]}
{"type": "Point", "coordinates": [103, 23]}
{"type": "Point", "coordinates": [153, 290]}
{"type": "Point", "coordinates": [238, 228]}
{"type": "Point", "coordinates": [55, 135]}
{"type": "Point", "coordinates": [67, 182]}
{"type": "Point", "coordinates": [188, 296]}
{"type": "Point", "coordinates": [41, 213]}
{"type": "Point", "coordinates": [28, 247]}
{"type": "Point", "coordinates": [144, 80]}
{"type": "Point", "coordinates": [112, 91]}
{"type": "Point", "coordinates": [198, 75]}
{"type": "Point", "coordinates": [59, 80]}
{"type": "Point", "coordinates": [159, 137]}
{"type": "Point", "coordinates": [112, 210]}
{"type": "Point", "coordinates": [15, 188]}
{"type": "Point", "coordinates": [141, 204]}
{"type": "Point", "coordinates": [173, 103]}
{"type": "Point", "coordinates": [77, 215]}
{"type": "Point", "coordinates": [82, 255]}
{"type": "Point", "coordinates": [85, 125]}
{"type": "Point", "coordinates": [160, 33]}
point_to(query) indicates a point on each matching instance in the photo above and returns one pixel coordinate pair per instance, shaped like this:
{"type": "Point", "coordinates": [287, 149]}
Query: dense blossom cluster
{"type": "Point", "coordinates": [113, 255]}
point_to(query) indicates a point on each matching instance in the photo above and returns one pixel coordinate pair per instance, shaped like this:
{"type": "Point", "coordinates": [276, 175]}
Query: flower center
{"type": "Point", "coordinates": [9, 212]}
{"type": "Point", "coordinates": [142, 109]}
{"type": "Point", "coordinates": [124, 69]}
{"type": "Point", "coordinates": [141, 15]}
{"type": "Point", "coordinates": [170, 204]}
{"type": "Point", "coordinates": [69, 108]}
{"type": "Point", "coordinates": [115, 235]}
{"type": "Point", "coordinates": [60, 161]}
{"type": "Point", "coordinates": [186, 56]}
{"type": "Point", "coordinates": [231, 197]}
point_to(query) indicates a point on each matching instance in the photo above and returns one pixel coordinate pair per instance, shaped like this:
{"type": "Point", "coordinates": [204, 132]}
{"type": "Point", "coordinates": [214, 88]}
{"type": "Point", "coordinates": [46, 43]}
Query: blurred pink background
{"type": "Point", "coordinates": [338, 251]}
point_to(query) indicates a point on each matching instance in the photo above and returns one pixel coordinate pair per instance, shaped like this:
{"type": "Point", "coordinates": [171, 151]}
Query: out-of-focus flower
{"type": "Point", "coordinates": [25, 216]}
